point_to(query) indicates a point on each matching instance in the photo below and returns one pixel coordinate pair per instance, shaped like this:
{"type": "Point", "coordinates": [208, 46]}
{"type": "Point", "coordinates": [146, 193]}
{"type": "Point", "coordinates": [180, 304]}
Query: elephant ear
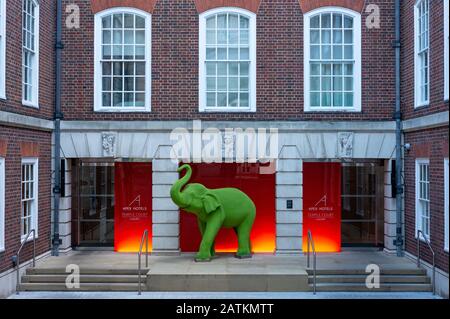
{"type": "Point", "coordinates": [210, 203]}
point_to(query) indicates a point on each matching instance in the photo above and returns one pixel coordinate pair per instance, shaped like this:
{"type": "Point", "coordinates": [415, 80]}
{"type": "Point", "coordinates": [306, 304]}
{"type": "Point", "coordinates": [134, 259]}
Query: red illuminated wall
{"type": "Point", "coordinates": [259, 187]}
{"type": "Point", "coordinates": [322, 205]}
{"type": "Point", "coordinates": [133, 205]}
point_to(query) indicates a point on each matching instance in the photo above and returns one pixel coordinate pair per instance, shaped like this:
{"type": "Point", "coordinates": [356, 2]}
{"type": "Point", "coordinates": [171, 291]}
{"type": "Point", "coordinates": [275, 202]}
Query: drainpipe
{"type": "Point", "coordinates": [56, 241]}
{"type": "Point", "coordinates": [398, 135]}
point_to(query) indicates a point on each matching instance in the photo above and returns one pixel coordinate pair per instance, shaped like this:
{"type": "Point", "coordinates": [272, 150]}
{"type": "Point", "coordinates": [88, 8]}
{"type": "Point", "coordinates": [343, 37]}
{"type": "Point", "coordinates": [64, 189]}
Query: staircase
{"type": "Point", "coordinates": [54, 279]}
{"type": "Point", "coordinates": [391, 280]}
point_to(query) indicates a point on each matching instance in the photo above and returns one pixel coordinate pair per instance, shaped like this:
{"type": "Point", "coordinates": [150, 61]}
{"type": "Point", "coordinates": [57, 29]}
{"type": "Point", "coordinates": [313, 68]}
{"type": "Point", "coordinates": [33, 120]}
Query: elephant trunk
{"type": "Point", "coordinates": [175, 192]}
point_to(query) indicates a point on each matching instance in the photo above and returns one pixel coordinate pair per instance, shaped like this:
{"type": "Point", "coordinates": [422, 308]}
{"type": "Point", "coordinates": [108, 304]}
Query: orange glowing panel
{"type": "Point", "coordinates": [133, 205]}
{"type": "Point", "coordinates": [248, 178]}
{"type": "Point", "coordinates": [322, 205]}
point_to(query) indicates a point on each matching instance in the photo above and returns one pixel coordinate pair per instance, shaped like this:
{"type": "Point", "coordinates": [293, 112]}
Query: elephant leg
{"type": "Point", "coordinates": [209, 235]}
{"type": "Point", "coordinates": [202, 227]}
{"type": "Point", "coordinates": [243, 233]}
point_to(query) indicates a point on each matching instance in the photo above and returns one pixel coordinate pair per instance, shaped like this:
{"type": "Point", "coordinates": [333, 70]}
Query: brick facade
{"type": "Point", "coordinates": [99, 5]}
{"type": "Point", "coordinates": [279, 66]}
{"type": "Point", "coordinates": [308, 5]}
{"type": "Point", "coordinates": [432, 144]}
{"type": "Point", "coordinates": [13, 102]}
{"type": "Point", "coordinates": [18, 142]}
{"type": "Point", "coordinates": [425, 143]}
{"type": "Point", "coordinates": [15, 139]}
{"type": "Point", "coordinates": [437, 103]}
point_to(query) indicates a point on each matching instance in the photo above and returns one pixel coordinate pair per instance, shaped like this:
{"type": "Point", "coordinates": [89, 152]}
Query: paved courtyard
{"type": "Point", "coordinates": [223, 295]}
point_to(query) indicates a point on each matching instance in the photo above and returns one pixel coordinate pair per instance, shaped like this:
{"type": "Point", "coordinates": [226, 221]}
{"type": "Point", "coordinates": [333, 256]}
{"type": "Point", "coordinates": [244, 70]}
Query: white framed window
{"type": "Point", "coordinates": [422, 53]}
{"type": "Point", "coordinates": [30, 53]}
{"type": "Point", "coordinates": [227, 60]}
{"type": "Point", "coordinates": [29, 191]}
{"type": "Point", "coordinates": [122, 68]}
{"type": "Point", "coordinates": [2, 48]}
{"type": "Point", "coordinates": [332, 60]}
{"type": "Point", "coordinates": [446, 49]}
{"type": "Point", "coordinates": [446, 203]}
{"type": "Point", "coordinates": [2, 203]}
{"type": "Point", "coordinates": [423, 196]}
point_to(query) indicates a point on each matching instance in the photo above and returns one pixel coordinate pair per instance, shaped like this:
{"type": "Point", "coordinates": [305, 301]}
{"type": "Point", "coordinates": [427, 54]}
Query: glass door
{"type": "Point", "coordinates": [362, 204]}
{"type": "Point", "coordinates": [95, 203]}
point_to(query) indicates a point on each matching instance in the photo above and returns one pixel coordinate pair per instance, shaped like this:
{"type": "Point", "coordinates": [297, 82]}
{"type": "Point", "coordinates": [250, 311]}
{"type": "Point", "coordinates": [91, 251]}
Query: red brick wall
{"type": "Point", "coordinates": [204, 5]}
{"type": "Point", "coordinates": [308, 5]}
{"type": "Point", "coordinates": [14, 60]}
{"type": "Point", "coordinates": [15, 140]}
{"type": "Point", "coordinates": [437, 103]}
{"type": "Point", "coordinates": [99, 5]}
{"type": "Point", "coordinates": [279, 66]}
{"type": "Point", "coordinates": [432, 144]}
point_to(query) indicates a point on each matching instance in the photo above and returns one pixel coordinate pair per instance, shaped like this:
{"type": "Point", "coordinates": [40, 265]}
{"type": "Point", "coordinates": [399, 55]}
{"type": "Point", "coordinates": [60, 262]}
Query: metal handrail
{"type": "Point", "coordinates": [311, 244]}
{"type": "Point", "coordinates": [144, 238]}
{"type": "Point", "coordinates": [16, 257]}
{"type": "Point", "coordinates": [419, 232]}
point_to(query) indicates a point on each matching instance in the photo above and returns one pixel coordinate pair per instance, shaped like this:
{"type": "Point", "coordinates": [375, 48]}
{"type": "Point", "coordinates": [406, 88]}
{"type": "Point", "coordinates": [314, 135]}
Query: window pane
{"type": "Point", "coordinates": [210, 37]}
{"type": "Point", "coordinates": [233, 84]}
{"type": "Point", "coordinates": [222, 99]}
{"type": "Point", "coordinates": [232, 99]}
{"type": "Point", "coordinates": [106, 22]}
{"type": "Point", "coordinates": [244, 101]}
{"type": "Point", "coordinates": [244, 23]}
{"type": "Point", "coordinates": [337, 36]}
{"type": "Point", "coordinates": [244, 37]}
{"type": "Point", "coordinates": [210, 69]}
{"type": "Point", "coordinates": [140, 68]}
{"type": "Point", "coordinates": [326, 52]}
{"type": "Point", "coordinates": [222, 21]}
{"type": "Point", "coordinates": [233, 21]}
{"type": "Point", "coordinates": [221, 54]}
{"type": "Point", "coordinates": [337, 20]}
{"type": "Point", "coordinates": [315, 99]}
{"type": "Point", "coordinates": [315, 69]}
{"type": "Point", "coordinates": [326, 99]}
{"type": "Point", "coordinates": [315, 52]}
{"type": "Point", "coordinates": [106, 99]}
{"type": "Point", "coordinates": [106, 84]}
{"type": "Point", "coordinates": [140, 37]}
{"type": "Point", "coordinates": [315, 22]}
{"type": "Point", "coordinates": [233, 54]}
{"type": "Point", "coordinates": [210, 54]}
{"type": "Point", "coordinates": [234, 69]}
{"type": "Point", "coordinates": [222, 84]}
{"type": "Point", "coordinates": [337, 99]}
{"type": "Point", "coordinates": [326, 20]}
{"type": "Point", "coordinates": [117, 99]}
{"type": "Point", "coordinates": [118, 21]}
{"type": "Point", "coordinates": [326, 84]}
{"type": "Point", "coordinates": [326, 36]}
{"type": "Point", "coordinates": [315, 37]}
{"type": "Point", "coordinates": [211, 99]}
{"type": "Point", "coordinates": [140, 22]}
{"type": "Point", "coordinates": [140, 84]}
{"type": "Point", "coordinates": [245, 54]}
{"type": "Point", "coordinates": [129, 21]}
{"type": "Point", "coordinates": [315, 83]}
{"type": "Point", "coordinates": [140, 99]}
{"type": "Point", "coordinates": [244, 68]}
{"type": "Point", "coordinates": [211, 23]}
{"type": "Point", "coordinates": [233, 37]}
{"type": "Point", "coordinates": [348, 99]}
{"type": "Point", "coordinates": [348, 22]}
{"type": "Point", "coordinates": [210, 83]}
{"type": "Point", "coordinates": [244, 84]}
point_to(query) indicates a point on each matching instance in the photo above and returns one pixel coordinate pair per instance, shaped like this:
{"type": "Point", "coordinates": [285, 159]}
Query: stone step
{"type": "Point", "coordinates": [362, 271]}
{"type": "Point", "coordinates": [50, 278]}
{"type": "Point", "coordinates": [83, 287]}
{"type": "Point", "coordinates": [357, 287]}
{"type": "Point", "coordinates": [362, 279]}
{"type": "Point", "coordinates": [86, 271]}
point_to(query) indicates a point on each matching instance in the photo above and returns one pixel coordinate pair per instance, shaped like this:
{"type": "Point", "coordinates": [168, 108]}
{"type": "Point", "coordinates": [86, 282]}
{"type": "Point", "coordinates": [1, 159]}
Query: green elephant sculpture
{"type": "Point", "coordinates": [215, 208]}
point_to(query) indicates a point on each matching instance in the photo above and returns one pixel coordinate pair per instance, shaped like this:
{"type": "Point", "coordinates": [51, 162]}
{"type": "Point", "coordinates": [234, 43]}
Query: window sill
{"type": "Point", "coordinates": [119, 110]}
{"type": "Point", "coordinates": [30, 104]}
{"type": "Point", "coordinates": [333, 110]}
{"type": "Point", "coordinates": [22, 239]}
{"type": "Point", "coordinates": [227, 110]}
{"type": "Point", "coordinates": [421, 106]}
